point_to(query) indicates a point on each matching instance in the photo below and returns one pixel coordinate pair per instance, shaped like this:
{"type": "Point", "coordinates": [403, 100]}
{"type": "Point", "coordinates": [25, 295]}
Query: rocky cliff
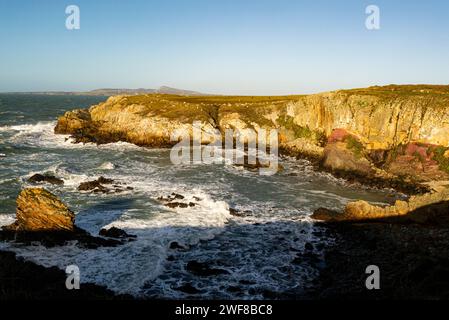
{"type": "Point", "coordinates": [393, 133]}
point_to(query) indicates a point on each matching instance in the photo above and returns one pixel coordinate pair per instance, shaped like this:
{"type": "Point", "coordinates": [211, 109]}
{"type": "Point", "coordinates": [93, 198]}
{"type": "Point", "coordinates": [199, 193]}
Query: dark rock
{"type": "Point", "coordinates": [174, 245]}
{"type": "Point", "coordinates": [235, 212]}
{"type": "Point", "coordinates": [92, 186]}
{"type": "Point", "coordinates": [234, 289]}
{"type": "Point", "coordinates": [97, 186]}
{"type": "Point", "coordinates": [25, 280]}
{"type": "Point", "coordinates": [58, 238]}
{"type": "Point", "coordinates": [202, 269]}
{"type": "Point", "coordinates": [247, 282]}
{"type": "Point", "coordinates": [38, 178]}
{"type": "Point", "coordinates": [104, 180]}
{"type": "Point", "coordinates": [325, 214]}
{"type": "Point", "coordinates": [177, 196]}
{"type": "Point", "coordinates": [115, 233]}
{"type": "Point", "coordinates": [173, 205]}
{"type": "Point", "coordinates": [188, 288]}
{"type": "Point", "coordinates": [308, 246]}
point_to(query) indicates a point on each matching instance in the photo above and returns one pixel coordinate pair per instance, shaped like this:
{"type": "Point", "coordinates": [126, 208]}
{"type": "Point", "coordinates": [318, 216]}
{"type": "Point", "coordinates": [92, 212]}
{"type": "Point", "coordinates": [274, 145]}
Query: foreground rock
{"type": "Point", "coordinates": [39, 178]}
{"type": "Point", "coordinates": [427, 208]}
{"type": "Point", "coordinates": [413, 262]}
{"type": "Point", "coordinates": [39, 210]}
{"type": "Point", "coordinates": [24, 280]}
{"type": "Point", "coordinates": [41, 216]}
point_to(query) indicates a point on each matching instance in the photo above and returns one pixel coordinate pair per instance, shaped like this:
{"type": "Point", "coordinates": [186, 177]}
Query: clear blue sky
{"type": "Point", "coordinates": [222, 46]}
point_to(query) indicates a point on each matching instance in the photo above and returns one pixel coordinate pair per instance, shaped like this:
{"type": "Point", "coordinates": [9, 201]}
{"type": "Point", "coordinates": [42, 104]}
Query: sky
{"type": "Point", "coordinates": [250, 47]}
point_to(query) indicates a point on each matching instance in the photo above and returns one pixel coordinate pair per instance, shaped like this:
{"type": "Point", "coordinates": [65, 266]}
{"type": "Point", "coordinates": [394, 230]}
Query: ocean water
{"type": "Point", "coordinates": [257, 250]}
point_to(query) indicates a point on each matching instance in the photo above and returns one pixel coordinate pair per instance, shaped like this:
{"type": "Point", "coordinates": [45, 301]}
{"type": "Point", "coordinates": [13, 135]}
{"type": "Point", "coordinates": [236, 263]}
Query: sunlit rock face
{"type": "Point", "coordinates": [394, 131]}
{"type": "Point", "coordinates": [39, 210]}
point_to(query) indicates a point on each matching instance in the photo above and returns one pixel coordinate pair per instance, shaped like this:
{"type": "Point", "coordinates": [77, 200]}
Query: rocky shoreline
{"type": "Point", "coordinates": [394, 137]}
{"type": "Point", "coordinates": [413, 261]}
{"type": "Point", "coordinates": [24, 280]}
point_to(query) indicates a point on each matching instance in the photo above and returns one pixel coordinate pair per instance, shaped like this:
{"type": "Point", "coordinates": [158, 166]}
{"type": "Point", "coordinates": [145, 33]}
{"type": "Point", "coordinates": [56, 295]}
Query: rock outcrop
{"type": "Point", "coordinates": [393, 132]}
{"type": "Point", "coordinates": [39, 178]}
{"type": "Point", "coordinates": [39, 210]}
{"type": "Point", "coordinates": [42, 217]}
{"type": "Point", "coordinates": [427, 208]}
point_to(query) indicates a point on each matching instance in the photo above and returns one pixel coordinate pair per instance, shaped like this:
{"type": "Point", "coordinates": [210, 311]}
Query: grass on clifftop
{"type": "Point", "coordinates": [145, 99]}
{"type": "Point", "coordinates": [250, 109]}
{"type": "Point", "coordinates": [402, 91]}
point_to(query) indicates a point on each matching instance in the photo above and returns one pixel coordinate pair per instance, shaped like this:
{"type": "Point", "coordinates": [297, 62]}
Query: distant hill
{"type": "Point", "coordinates": [119, 91]}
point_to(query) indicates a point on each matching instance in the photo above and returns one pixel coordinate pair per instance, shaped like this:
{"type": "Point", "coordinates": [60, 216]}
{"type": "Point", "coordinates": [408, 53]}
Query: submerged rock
{"type": "Point", "coordinates": [202, 269]}
{"type": "Point", "coordinates": [170, 201]}
{"type": "Point", "coordinates": [38, 178]}
{"type": "Point", "coordinates": [189, 289]}
{"type": "Point", "coordinates": [98, 186]}
{"type": "Point", "coordinates": [176, 245]}
{"type": "Point", "coordinates": [173, 205]}
{"type": "Point", "coordinates": [237, 213]}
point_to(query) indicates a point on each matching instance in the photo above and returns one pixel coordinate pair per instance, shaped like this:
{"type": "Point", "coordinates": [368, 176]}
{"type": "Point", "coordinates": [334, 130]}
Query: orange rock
{"type": "Point", "coordinates": [39, 210]}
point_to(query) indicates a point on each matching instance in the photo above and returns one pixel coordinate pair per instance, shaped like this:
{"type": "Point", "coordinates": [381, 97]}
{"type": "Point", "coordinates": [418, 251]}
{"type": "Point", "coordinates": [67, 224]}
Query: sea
{"type": "Point", "coordinates": [259, 251]}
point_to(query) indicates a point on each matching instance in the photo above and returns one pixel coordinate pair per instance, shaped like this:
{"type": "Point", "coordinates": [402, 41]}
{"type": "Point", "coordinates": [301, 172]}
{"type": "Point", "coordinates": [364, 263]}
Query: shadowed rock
{"type": "Point", "coordinates": [96, 185]}
{"type": "Point", "coordinates": [39, 178]}
{"type": "Point", "coordinates": [115, 233]}
{"type": "Point", "coordinates": [202, 269]}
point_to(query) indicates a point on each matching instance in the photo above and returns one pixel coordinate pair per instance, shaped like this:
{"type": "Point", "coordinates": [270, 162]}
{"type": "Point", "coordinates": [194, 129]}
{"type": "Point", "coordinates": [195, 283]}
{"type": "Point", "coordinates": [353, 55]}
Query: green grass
{"type": "Point", "coordinates": [355, 146]}
{"type": "Point", "coordinates": [302, 132]}
{"type": "Point", "coordinates": [439, 157]}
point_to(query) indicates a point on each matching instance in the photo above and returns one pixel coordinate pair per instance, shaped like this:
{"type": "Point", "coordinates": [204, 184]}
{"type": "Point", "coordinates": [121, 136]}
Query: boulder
{"type": "Point", "coordinates": [115, 233]}
{"type": "Point", "coordinates": [42, 217]}
{"type": "Point", "coordinates": [39, 210]}
{"type": "Point", "coordinates": [39, 178]}
{"type": "Point", "coordinates": [96, 185]}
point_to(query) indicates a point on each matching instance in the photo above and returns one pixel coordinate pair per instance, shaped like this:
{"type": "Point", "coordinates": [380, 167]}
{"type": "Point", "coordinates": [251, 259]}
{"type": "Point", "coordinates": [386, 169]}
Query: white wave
{"type": "Point", "coordinates": [128, 267]}
{"type": "Point", "coordinates": [107, 166]}
{"type": "Point", "coordinates": [70, 179]}
{"type": "Point", "coordinates": [6, 219]}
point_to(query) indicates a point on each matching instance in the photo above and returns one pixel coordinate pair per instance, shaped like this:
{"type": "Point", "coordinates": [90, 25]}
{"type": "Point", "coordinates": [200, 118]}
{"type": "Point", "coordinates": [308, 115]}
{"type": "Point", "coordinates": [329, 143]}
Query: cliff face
{"type": "Point", "coordinates": [380, 132]}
